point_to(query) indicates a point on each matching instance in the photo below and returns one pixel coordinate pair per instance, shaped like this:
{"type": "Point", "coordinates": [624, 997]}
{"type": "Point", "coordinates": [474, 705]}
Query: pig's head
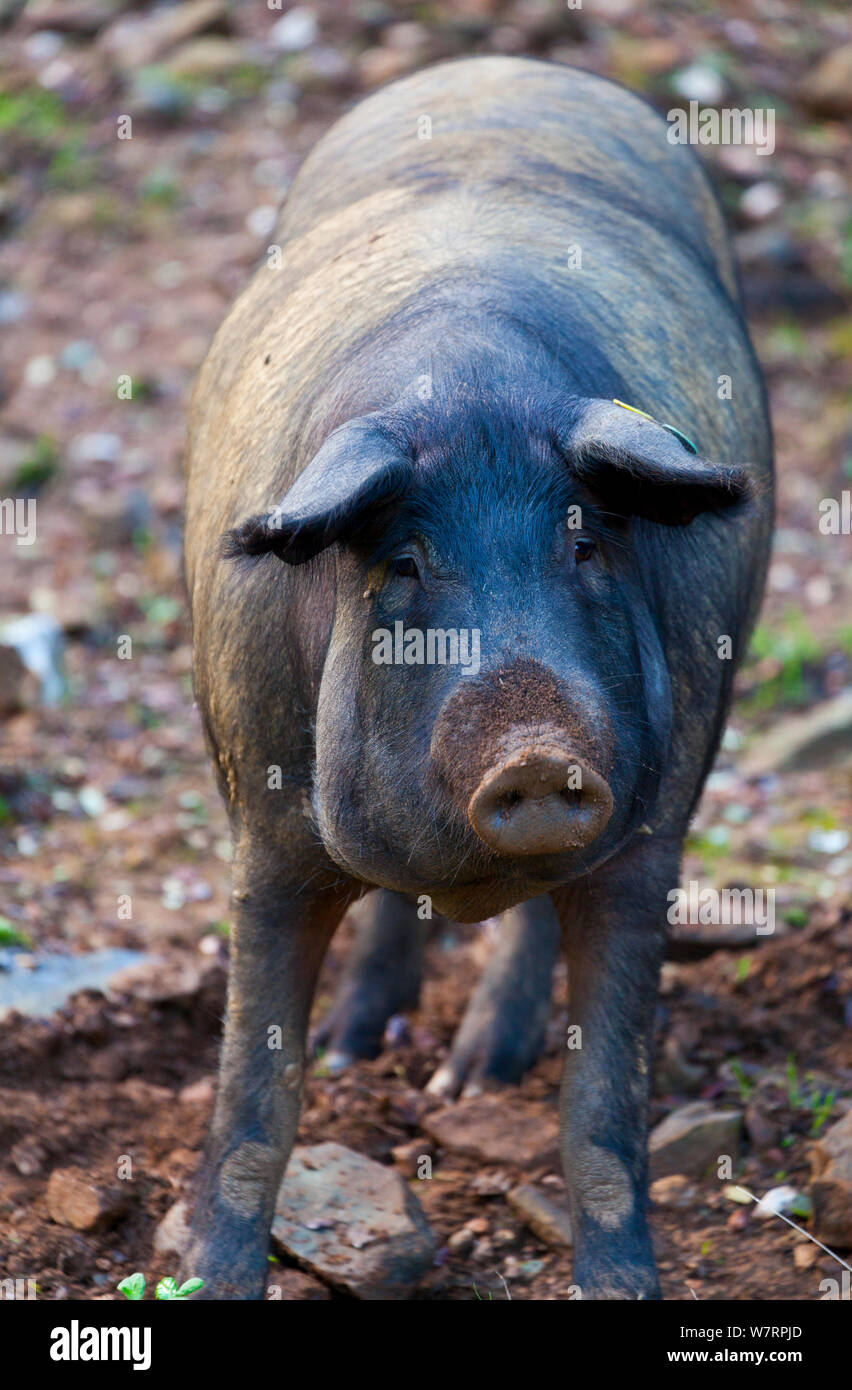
{"type": "Point", "coordinates": [495, 707]}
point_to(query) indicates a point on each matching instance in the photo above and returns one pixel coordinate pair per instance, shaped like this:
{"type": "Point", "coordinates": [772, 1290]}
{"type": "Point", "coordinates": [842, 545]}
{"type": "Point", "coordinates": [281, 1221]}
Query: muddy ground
{"type": "Point", "coordinates": [118, 258]}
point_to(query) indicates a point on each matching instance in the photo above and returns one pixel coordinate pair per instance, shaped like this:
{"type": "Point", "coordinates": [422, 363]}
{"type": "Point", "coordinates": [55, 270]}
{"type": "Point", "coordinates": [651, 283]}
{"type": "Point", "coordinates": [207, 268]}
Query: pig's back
{"type": "Point", "coordinates": [538, 142]}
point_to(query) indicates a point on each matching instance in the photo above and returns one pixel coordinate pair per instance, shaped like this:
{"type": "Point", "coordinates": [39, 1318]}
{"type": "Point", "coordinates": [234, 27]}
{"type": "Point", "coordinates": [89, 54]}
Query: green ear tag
{"type": "Point", "coordinates": [684, 439]}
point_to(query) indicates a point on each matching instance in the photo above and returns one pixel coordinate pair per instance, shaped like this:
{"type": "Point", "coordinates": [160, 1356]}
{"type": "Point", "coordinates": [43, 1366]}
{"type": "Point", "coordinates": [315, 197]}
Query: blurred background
{"type": "Point", "coordinates": [118, 259]}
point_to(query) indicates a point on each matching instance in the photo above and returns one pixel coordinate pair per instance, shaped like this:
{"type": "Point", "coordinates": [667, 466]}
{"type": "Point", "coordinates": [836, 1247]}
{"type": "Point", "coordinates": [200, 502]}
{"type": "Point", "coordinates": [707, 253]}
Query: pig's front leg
{"type": "Point", "coordinates": [279, 938]}
{"type": "Point", "coordinates": [615, 938]}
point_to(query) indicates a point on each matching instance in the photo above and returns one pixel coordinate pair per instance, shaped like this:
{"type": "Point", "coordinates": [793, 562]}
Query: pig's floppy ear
{"type": "Point", "coordinates": [639, 468]}
{"type": "Point", "coordinates": [358, 466]}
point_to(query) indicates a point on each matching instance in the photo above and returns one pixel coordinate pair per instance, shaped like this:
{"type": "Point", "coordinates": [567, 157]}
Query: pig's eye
{"type": "Point", "coordinates": [584, 549]}
{"type": "Point", "coordinates": [404, 567]}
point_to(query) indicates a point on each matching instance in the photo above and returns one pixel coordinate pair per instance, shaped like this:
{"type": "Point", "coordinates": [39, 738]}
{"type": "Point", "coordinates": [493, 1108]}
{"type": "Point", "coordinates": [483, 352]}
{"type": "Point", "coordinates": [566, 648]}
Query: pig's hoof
{"type": "Point", "coordinates": [614, 1284]}
{"type": "Point", "coordinates": [495, 1045]}
{"type": "Point", "coordinates": [353, 1029]}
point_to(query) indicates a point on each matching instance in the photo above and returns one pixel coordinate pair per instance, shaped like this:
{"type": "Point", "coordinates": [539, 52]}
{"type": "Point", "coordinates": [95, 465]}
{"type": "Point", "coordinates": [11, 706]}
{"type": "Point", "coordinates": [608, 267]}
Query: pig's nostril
{"type": "Point", "coordinates": [540, 801]}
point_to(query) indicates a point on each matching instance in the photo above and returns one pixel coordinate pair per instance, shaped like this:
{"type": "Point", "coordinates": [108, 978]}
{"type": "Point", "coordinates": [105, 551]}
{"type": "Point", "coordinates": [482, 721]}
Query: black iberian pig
{"type": "Point", "coordinates": [407, 431]}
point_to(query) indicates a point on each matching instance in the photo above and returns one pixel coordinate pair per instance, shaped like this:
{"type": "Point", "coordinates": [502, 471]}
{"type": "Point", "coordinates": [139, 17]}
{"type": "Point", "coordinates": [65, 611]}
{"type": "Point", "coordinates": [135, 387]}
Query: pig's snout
{"type": "Point", "coordinates": [539, 801]}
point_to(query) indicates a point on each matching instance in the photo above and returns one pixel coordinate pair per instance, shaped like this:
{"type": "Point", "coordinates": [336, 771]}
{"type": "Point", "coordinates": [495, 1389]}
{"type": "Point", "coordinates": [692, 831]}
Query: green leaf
{"type": "Point", "coordinates": [190, 1286]}
{"type": "Point", "coordinates": [10, 936]}
{"type": "Point", "coordinates": [167, 1288]}
{"type": "Point", "coordinates": [133, 1287]}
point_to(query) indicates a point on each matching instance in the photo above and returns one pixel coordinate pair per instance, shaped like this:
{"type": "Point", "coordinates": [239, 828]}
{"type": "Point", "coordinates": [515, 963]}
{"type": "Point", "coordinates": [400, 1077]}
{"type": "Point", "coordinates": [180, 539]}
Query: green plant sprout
{"type": "Point", "coordinates": [817, 1102]}
{"type": "Point", "coordinates": [820, 1110]}
{"type": "Point", "coordinates": [133, 1287]}
{"type": "Point", "coordinates": [744, 1086]}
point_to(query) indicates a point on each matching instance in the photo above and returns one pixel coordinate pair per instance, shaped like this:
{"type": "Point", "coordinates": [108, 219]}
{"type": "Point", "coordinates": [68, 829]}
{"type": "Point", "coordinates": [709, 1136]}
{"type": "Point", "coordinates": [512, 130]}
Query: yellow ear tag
{"type": "Point", "coordinates": [624, 406]}
{"type": "Point", "coordinates": [684, 439]}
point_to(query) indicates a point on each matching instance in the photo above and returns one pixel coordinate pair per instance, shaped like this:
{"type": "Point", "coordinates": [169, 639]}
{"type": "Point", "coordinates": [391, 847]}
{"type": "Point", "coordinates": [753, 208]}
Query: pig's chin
{"type": "Point", "coordinates": [473, 902]}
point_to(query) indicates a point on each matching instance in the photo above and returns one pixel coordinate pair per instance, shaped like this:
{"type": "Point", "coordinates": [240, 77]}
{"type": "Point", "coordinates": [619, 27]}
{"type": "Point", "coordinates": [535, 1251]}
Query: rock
{"type": "Point", "coordinates": [172, 1235]}
{"type": "Point", "coordinates": [74, 1199]}
{"type": "Point", "coordinates": [820, 738]}
{"type": "Point", "coordinates": [699, 82]}
{"type": "Point", "coordinates": [832, 1202]}
{"type": "Point", "coordinates": [828, 88]}
{"type": "Point", "coordinates": [674, 1191]}
{"type": "Point", "coordinates": [28, 1157]}
{"type": "Point", "coordinates": [19, 688]}
{"type": "Point", "coordinates": [692, 1138]}
{"type": "Point", "coordinates": [548, 1218]}
{"type": "Point", "coordinates": [762, 1132]}
{"type": "Point", "coordinates": [291, 1285]}
{"type": "Point", "coordinates": [353, 1222]}
{"type": "Point", "coordinates": [805, 1255]}
{"type": "Point", "coordinates": [70, 16]}
{"type": "Point", "coordinates": [831, 1156]}
{"type": "Point", "coordinates": [783, 1201]}
{"type": "Point", "coordinates": [379, 65]}
{"type": "Point", "coordinates": [210, 56]}
{"type": "Point", "coordinates": [409, 1157]}
{"type": "Point", "coordinates": [39, 642]}
{"type": "Point", "coordinates": [136, 42]}
{"type": "Point", "coordinates": [496, 1129]}
{"type": "Point", "coordinates": [674, 1071]}
{"type": "Point", "coordinates": [198, 1092]}
{"type": "Point", "coordinates": [295, 31]}
{"type": "Point", "coordinates": [461, 1241]}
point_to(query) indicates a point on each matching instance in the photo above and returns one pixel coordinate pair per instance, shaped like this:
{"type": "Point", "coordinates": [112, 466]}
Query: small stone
{"type": "Point", "coordinates": [495, 1129]}
{"type": "Point", "coordinates": [74, 1199]}
{"type": "Point", "coordinates": [545, 1216]}
{"type": "Point", "coordinates": [28, 1157]}
{"type": "Point", "coordinates": [379, 65]}
{"type": "Point", "coordinates": [294, 31]}
{"type": "Point", "coordinates": [461, 1241]}
{"type": "Point", "coordinates": [699, 83]}
{"type": "Point", "coordinates": [261, 220]}
{"type": "Point", "coordinates": [831, 1155]}
{"type": "Point", "coordinates": [409, 1158]}
{"type": "Point", "coordinates": [674, 1191]}
{"type": "Point", "coordinates": [761, 200]}
{"type": "Point", "coordinates": [172, 1234]}
{"type": "Point", "coordinates": [198, 1092]}
{"type": "Point", "coordinates": [18, 685]}
{"type": "Point", "coordinates": [352, 1222]}
{"type": "Point", "coordinates": [135, 42]}
{"type": "Point", "coordinates": [210, 56]}
{"type": "Point", "coordinates": [40, 371]}
{"type": "Point", "coordinates": [95, 448]}
{"type": "Point", "coordinates": [805, 1255]}
{"type": "Point", "coordinates": [14, 306]}
{"type": "Point", "coordinates": [692, 1139]}
{"type": "Point", "coordinates": [784, 1201]}
{"type": "Point", "coordinates": [40, 643]}
{"type": "Point", "coordinates": [828, 88]}
{"type": "Point", "coordinates": [832, 1222]}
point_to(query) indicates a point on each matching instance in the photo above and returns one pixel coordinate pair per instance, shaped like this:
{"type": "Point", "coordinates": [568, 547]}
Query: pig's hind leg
{"type": "Point", "coordinates": [503, 1030]}
{"type": "Point", "coordinates": [381, 977]}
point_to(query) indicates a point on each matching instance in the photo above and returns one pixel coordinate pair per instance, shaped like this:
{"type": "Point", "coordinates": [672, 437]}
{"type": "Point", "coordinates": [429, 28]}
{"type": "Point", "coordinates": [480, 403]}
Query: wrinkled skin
{"type": "Point", "coordinates": [412, 422]}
